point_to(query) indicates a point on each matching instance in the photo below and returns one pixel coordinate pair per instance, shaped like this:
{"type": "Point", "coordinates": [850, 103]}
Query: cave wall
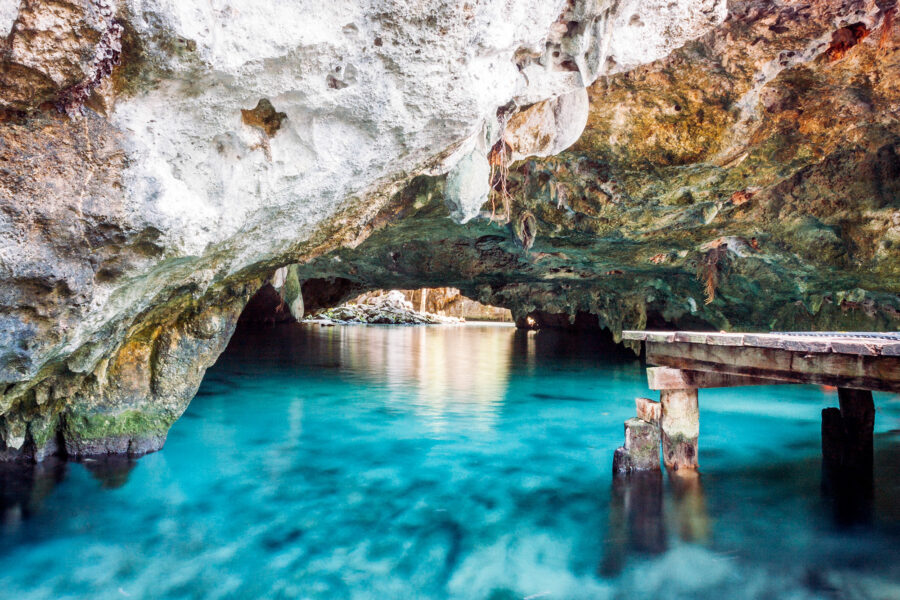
{"type": "Point", "coordinates": [160, 159]}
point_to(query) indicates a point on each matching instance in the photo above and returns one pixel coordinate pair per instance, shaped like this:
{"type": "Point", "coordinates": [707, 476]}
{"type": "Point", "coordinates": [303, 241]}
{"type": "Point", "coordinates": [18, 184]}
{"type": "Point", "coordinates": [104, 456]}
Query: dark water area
{"type": "Point", "coordinates": [465, 461]}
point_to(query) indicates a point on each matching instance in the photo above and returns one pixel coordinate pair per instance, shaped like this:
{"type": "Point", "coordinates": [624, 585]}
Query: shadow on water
{"type": "Point", "coordinates": [111, 471]}
{"type": "Point", "coordinates": [24, 486]}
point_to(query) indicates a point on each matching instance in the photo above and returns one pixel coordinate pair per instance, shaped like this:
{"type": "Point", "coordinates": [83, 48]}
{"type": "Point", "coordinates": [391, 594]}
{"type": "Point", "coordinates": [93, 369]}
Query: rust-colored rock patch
{"type": "Point", "coordinates": [264, 116]}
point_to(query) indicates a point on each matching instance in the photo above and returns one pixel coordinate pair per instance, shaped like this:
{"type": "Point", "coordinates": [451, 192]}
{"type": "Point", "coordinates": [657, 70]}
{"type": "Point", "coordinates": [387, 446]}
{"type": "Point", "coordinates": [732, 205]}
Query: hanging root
{"type": "Point", "coordinates": [709, 269]}
{"type": "Point", "coordinates": [499, 159]}
{"type": "Point", "coordinates": [526, 230]}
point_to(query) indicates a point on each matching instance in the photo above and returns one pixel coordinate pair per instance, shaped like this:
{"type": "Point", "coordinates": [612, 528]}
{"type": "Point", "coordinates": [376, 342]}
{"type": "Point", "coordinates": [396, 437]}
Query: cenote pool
{"type": "Point", "coordinates": [451, 462]}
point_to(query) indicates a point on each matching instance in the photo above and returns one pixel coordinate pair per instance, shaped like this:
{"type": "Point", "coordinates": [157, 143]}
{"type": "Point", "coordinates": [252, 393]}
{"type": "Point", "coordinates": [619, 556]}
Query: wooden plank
{"type": "Point", "coordinates": [783, 342]}
{"type": "Point", "coordinates": [660, 336]}
{"type": "Point", "coordinates": [807, 344]}
{"type": "Point", "coordinates": [858, 346]}
{"type": "Point", "coordinates": [665, 378]}
{"type": "Point", "coordinates": [638, 336]}
{"type": "Point", "coordinates": [841, 370]}
{"type": "Point", "coordinates": [694, 337]}
{"type": "Point", "coordinates": [797, 342]}
{"type": "Point", "coordinates": [761, 340]}
{"type": "Point", "coordinates": [725, 339]}
{"type": "Point", "coordinates": [891, 349]}
{"type": "Point", "coordinates": [647, 410]}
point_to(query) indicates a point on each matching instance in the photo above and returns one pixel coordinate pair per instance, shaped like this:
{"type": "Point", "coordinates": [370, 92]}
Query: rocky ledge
{"type": "Point", "coordinates": [599, 164]}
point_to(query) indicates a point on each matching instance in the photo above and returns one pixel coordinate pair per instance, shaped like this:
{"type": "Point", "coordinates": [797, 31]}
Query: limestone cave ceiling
{"type": "Point", "coordinates": [646, 162]}
{"type": "Point", "coordinates": [749, 180]}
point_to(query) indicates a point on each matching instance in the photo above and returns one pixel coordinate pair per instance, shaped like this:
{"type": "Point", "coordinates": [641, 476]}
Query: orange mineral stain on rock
{"type": "Point", "coordinates": [845, 38]}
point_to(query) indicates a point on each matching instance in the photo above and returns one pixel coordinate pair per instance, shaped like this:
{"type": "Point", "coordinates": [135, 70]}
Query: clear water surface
{"type": "Point", "coordinates": [451, 462]}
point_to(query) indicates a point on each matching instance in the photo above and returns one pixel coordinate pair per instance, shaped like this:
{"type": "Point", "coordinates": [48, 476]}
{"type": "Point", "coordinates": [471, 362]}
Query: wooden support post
{"type": "Point", "coordinates": [858, 415]}
{"type": "Point", "coordinates": [847, 454]}
{"type": "Point", "coordinates": [641, 449]}
{"type": "Point", "coordinates": [647, 410]}
{"type": "Point", "coordinates": [847, 433]}
{"type": "Point", "coordinates": [680, 424]}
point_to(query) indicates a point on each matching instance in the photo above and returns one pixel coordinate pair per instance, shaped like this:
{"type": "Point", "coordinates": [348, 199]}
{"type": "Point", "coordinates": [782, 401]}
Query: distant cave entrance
{"type": "Point", "coordinates": [269, 306]}
{"type": "Point", "coordinates": [447, 302]}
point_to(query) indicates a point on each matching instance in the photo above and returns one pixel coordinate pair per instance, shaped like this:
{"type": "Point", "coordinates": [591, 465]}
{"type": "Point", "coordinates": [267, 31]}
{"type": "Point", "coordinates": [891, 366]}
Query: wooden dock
{"type": "Point", "coordinates": [840, 360]}
{"type": "Point", "coordinates": [686, 361]}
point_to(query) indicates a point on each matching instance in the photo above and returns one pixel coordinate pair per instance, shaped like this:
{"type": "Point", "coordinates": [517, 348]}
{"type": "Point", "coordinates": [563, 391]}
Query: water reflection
{"type": "Point", "coordinates": [111, 471]}
{"type": "Point", "coordinates": [636, 523]}
{"type": "Point", "coordinates": [644, 515]}
{"type": "Point", "coordinates": [689, 502]}
{"type": "Point", "coordinates": [24, 486]}
{"type": "Point", "coordinates": [447, 375]}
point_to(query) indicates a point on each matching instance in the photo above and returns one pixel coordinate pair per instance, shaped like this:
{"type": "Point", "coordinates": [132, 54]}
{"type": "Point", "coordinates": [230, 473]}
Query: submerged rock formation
{"type": "Point", "coordinates": [160, 160]}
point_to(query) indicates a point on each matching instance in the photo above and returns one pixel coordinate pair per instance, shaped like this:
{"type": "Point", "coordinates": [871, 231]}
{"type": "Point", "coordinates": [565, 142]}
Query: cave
{"type": "Point", "coordinates": [360, 299]}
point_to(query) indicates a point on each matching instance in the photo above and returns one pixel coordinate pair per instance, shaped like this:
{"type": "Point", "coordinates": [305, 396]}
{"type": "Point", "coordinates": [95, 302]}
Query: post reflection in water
{"type": "Point", "coordinates": [636, 523]}
{"type": "Point", "coordinates": [689, 503]}
{"type": "Point", "coordinates": [644, 514]}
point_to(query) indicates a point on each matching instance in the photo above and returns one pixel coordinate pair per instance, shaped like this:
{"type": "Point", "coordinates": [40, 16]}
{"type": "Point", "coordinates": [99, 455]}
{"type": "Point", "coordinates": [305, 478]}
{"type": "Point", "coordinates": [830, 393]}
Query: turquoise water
{"type": "Point", "coordinates": [451, 462]}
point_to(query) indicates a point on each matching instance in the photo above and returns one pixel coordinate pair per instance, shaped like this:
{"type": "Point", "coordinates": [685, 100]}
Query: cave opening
{"type": "Point", "coordinates": [341, 301]}
{"type": "Point", "coordinates": [269, 305]}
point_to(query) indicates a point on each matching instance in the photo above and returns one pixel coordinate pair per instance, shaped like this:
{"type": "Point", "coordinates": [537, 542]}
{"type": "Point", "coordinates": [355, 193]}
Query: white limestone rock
{"type": "Point", "coordinates": [548, 127]}
{"type": "Point", "coordinates": [367, 93]}
{"type": "Point", "coordinates": [9, 10]}
{"type": "Point", "coordinates": [467, 187]}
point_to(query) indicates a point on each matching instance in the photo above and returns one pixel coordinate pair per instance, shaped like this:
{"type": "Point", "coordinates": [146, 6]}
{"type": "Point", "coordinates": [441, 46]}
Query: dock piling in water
{"type": "Point", "coordinates": [855, 363]}
{"type": "Point", "coordinates": [641, 449]}
{"type": "Point", "coordinates": [680, 425]}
